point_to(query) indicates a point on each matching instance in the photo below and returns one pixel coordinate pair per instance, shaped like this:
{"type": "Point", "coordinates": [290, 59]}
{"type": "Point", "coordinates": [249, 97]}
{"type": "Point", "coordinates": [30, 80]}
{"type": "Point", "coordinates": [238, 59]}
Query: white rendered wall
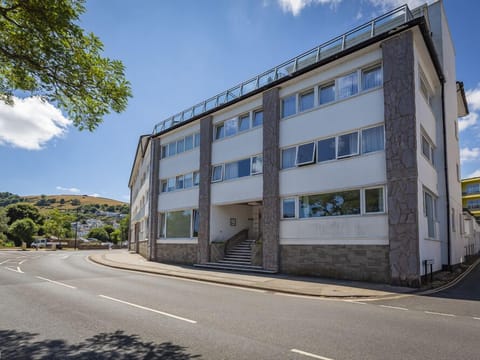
{"type": "Point", "coordinates": [220, 226]}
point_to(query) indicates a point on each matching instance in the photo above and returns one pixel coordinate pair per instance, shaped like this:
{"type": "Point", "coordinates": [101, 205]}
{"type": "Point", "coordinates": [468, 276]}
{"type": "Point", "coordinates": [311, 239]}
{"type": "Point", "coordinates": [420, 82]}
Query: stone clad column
{"type": "Point", "coordinates": [401, 159]}
{"type": "Point", "coordinates": [271, 163]}
{"type": "Point", "coordinates": [206, 135]}
{"type": "Point", "coordinates": [154, 187]}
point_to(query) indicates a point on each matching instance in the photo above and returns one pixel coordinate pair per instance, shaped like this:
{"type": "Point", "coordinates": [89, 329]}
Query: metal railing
{"type": "Point", "coordinates": [379, 25]}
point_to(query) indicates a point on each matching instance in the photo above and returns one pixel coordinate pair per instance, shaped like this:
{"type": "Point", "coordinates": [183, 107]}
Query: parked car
{"type": "Point", "coordinates": [39, 243]}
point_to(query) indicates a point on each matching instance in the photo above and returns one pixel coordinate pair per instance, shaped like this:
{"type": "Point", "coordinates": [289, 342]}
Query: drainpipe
{"type": "Point", "coordinates": [447, 188]}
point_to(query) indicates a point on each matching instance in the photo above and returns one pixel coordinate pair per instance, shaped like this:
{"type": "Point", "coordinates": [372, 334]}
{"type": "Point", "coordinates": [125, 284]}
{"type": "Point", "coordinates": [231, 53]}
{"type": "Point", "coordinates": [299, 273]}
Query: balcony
{"type": "Point", "coordinates": [377, 26]}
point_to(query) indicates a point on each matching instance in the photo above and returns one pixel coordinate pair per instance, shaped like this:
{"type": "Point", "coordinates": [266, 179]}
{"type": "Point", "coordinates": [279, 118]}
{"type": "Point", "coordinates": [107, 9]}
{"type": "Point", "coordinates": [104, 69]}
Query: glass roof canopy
{"type": "Point", "coordinates": [379, 25]}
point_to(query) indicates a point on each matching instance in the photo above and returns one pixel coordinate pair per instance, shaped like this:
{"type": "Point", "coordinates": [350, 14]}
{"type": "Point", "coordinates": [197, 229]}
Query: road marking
{"type": "Point", "coordinates": [3, 262]}
{"type": "Point", "coordinates": [56, 282]}
{"type": "Point", "coordinates": [149, 309]}
{"type": "Point", "coordinates": [437, 313]}
{"type": "Point", "coordinates": [65, 257]}
{"type": "Point", "coordinates": [21, 262]}
{"type": "Point", "coordinates": [477, 318]}
{"type": "Point", "coordinates": [17, 271]}
{"type": "Point", "coordinates": [357, 302]}
{"type": "Point", "coordinates": [393, 307]}
{"type": "Point", "coordinates": [310, 354]}
{"type": "Point", "coordinates": [302, 296]}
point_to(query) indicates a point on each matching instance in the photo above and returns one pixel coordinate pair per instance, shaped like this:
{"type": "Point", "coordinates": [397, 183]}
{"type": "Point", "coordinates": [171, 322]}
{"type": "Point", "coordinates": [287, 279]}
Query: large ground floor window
{"type": "Point", "coordinates": [178, 224]}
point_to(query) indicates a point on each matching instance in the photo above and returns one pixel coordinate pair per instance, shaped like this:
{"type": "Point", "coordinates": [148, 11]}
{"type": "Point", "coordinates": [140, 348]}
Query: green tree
{"type": "Point", "coordinates": [99, 233]}
{"type": "Point", "coordinates": [3, 224]}
{"type": "Point", "coordinates": [115, 236]}
{"type": "Point", "coordinates": [58, 224]}
{"type": "Point", "coordinates": [43, 51]}
{"type": "Point", "coordinates": [20, 211]}
{"type": "Point", "coordinates": [125, 228]}
{"type": "Point", "coordinates": [23, 230]}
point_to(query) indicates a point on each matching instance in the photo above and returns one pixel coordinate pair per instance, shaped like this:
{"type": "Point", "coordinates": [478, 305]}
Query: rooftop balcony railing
{"type": "Point", "coordinates": [379, 25]}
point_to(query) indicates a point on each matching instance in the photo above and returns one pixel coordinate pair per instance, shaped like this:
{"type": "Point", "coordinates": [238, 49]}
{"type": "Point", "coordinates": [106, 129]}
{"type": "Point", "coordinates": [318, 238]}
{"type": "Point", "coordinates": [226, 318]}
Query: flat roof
{"type": "Point", "coordinates": [379, 25]}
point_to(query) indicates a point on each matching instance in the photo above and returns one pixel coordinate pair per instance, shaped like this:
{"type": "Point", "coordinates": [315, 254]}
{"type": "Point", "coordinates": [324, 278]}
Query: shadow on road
{"type": "Point", "coordinates": [116, 345]}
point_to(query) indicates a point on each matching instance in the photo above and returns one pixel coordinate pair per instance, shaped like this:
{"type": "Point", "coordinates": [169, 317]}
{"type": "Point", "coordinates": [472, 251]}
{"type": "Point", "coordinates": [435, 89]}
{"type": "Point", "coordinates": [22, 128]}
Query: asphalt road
{"type": "Point", "coordinates": [57, 305]}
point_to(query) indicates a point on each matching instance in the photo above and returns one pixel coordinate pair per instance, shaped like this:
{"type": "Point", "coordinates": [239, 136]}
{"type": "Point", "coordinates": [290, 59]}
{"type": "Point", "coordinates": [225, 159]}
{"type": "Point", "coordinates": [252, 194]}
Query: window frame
{"type": "Point", "coordinates": [330, 84]}
{"type": "Point", "coordinates": [254, 118]}
{"type": "Point", "coordinates": [370, 69]}
{"type": "Point", "coordinates": [431, 149]}
{"type": "Point", "coordinates": [301, 95]}
{"type": "Point", "coordinates": [362, 136]}
{"type": "Point", "coordinates": [252, 172]}
{"type": "Point", "coordinates": [221, 173]}
{"type": "Point", "coordinates": [434, 213]}
{"type": "Point", "coordinates": [294, 158]}
{"type": "Point", "coordinates": [334, 149]}
{"type": "Point", "coordinates": [295, 206]}
{"type": "Point", "coordinates": [383, 205]}
{"type": "Point", "coordinates": [350, 154]}
{"type": "Point", "coordinates": [290, 98]}
{"type": "Point", "coordinates": [312, 161]}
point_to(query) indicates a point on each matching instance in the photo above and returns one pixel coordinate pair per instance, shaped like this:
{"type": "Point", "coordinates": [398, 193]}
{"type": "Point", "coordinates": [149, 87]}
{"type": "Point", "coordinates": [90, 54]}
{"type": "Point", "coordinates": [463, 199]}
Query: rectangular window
{"type": "Point", "coordinates": [427, 149]}
{"type": "Point", "coordinates": [219, 131]}
{"type": "Point", "coordinates": [257, 118]}
{"type": "Point", "coordinates": [172, 149]}
{"type": "Point", "coordinates": [288, 106]}
{"type": "Point", "coordinates": [348, 85]}
{"type": "Point", "coordinates": [306, 154]}
{"type": "Point", "coordinates": [429, 211]}
{"type": "Point", "coordinates": [372, 77]}
{"type": "Point", "coordinates": [331, 204]}
{"type": "Point", "coordinates": [179, 182]}
{"type": "Point", "coordinates": [231, 127]}
{"type": "Point", "coordinates": [327, 93]}
{"type": "Point", "coordinates": [288, 157]}
{"type": "Point", "coordinates": [373, 139]}
{"type": "Point", "coordinates": [196, 138]}
{"type": "Point", "coordinates": [374, 200]}
{"type": "Point", "coordinates": [188, 180]}
{"type": "Point", "coordinates": [347, 145]}
{"type": "Point", "coordinates": [164, 151]}
{"type": "Point", "coordinates": [257, 164]}
{"type": "Point", "coordinates": [188, 142]}
{"type": "Point", "coordinates": [237, 169]}
{"type": "Point", "coordinates": [473, 204]}
{"type": "Point", "coordinates": [288, 208]}
{"type": "Point", "coordinates": [473, 189]}
{"type": "Point", "coordinates": [306, 100]}
{"type": "Point", "coordinates": [171, 184]}
{"type": "Point", "coordinates": [180, 146]}
{"type": "Point", "coordinates": [217, 173]}
{"type": "Point", "coordinates": [424, 87]}
{"type": "Point", "coordinates": [164, 185]}
{"type": "Point", "coordinates": [244, 123]}
{"type": "Point", "coordinates": [326, 150]}
{"type": "Point", "coordinates": [196, 178]}
{"type": "Point", "coordinates": [178, 224]}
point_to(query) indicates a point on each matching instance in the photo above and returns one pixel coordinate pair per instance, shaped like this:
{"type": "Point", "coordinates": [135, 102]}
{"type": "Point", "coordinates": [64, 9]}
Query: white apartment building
{"type": "Point", "coordinates": [342, 162]}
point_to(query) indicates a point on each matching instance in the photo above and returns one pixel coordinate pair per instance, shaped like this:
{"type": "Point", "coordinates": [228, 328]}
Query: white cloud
{"type": "Point", "coordinates": [473, 98]}
{"type": "Point", "coordinates": [72, 189]}
{"type": "Point", "coordinates": [30, 123]}
{"type": "Point", "coordinates": [94, 195]}
{"type": "Point", "coordinates": [476, 173]}
{"type": "Point", "coordinates": [467, 154]}
{"type": "Point", "coordinates": [296, 6]}
{"type": "Point", "coordinates": [386, 5]}
{"type": "Point", "coordinates": [467, 121]}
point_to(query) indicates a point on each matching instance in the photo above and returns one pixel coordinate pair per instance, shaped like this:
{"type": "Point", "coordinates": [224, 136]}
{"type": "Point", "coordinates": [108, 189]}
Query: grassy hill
{"type": "Point", "coordinates": [64, 202]}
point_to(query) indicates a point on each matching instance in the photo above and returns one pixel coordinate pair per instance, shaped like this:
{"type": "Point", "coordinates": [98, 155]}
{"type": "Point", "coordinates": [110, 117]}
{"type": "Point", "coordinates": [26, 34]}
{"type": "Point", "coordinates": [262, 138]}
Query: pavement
{"type": "Point", "coordinates": [307, 286]}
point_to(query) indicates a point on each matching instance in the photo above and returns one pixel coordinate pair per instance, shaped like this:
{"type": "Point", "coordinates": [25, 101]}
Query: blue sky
{"type": "Point", "coordinates": [178, 53]}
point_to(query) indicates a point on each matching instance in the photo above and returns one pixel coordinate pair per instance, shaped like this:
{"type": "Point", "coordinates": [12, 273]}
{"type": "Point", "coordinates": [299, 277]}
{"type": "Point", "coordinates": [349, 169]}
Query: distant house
{"type": "Point", "coordinates": [341, 162]}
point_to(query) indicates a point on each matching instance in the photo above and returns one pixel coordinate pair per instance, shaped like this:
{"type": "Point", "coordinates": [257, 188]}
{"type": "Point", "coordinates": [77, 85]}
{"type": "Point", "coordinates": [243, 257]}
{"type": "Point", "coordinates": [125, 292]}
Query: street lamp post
{"type": "Point", "coordinates": [76, 231]}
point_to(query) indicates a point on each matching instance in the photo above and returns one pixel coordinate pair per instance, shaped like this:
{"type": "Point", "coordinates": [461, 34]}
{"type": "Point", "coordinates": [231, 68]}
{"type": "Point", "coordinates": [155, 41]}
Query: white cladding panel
{"type": "Point", "coordinates": [359, 171]}
{"type": "Point", "coordinates": [244, 189]}
{"type": "Point", "coordinates": [178, 200]}
{"type": "Point", "coordinates": [238, 147]}
{"type": "Point", "coordinates": [180, 164]}
{"type": "Point", "coordinates": [335, 230]}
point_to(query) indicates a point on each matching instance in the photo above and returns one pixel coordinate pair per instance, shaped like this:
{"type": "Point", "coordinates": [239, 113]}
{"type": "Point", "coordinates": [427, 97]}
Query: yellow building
{"type": "Point", "coordinates": [471, 195]}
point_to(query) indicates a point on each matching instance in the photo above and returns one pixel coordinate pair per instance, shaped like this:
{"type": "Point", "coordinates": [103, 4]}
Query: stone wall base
{"type": "Point", "coordinates": [177, 253]}
{"type": "Point", "coordinates": [350, 262]}
{"type": "Point", "coordinates": [143, 248]}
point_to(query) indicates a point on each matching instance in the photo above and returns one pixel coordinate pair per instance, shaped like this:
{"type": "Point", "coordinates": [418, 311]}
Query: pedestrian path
{"type": "Point", "coordinates": [307, 286]}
